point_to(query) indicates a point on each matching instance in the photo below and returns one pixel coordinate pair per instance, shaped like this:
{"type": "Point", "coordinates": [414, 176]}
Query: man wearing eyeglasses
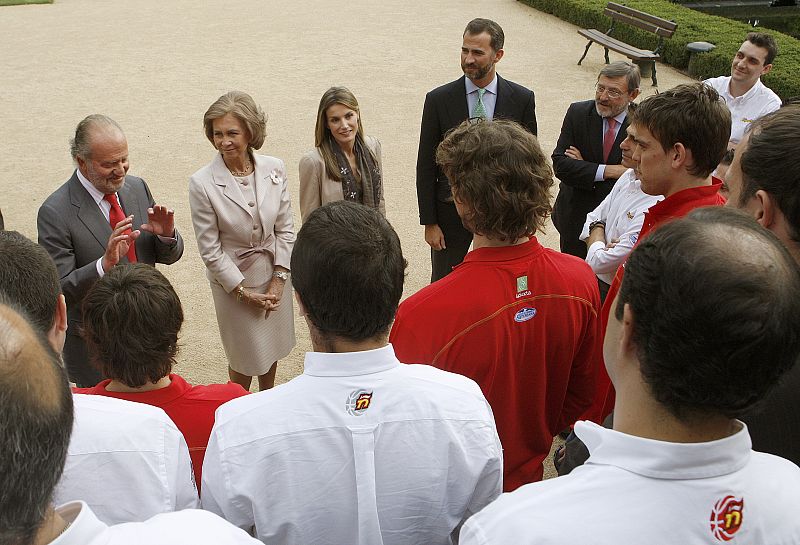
{"type": "Point", "coordinates": [587, 159]}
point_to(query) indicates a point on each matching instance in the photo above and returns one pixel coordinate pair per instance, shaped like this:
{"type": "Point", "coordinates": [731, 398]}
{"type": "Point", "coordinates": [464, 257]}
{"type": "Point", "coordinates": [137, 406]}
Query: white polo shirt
{"type": "Point", "coordinates": [635, 491]}
{"type": "Point", "coordinates": [359, 450]}
{"type": "Point", "coordinates": [127, 460]}
{"type": "Point", "coordinates": [189, 527]}
{"type": "Point", "coordinates": [757, 102]}
{"type": "Point", "coordinates": [623, 212]}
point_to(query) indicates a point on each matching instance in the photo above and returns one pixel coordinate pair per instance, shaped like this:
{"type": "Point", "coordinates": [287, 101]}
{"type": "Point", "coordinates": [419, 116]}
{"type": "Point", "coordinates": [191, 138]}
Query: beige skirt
{"type": "Point", "coordinates": [251, 342]}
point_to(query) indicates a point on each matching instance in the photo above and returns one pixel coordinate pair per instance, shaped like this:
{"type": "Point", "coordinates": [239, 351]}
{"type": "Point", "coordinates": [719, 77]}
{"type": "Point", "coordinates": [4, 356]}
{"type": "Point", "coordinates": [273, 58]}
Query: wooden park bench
{"type": "Point", "coordinates": [639, 19]}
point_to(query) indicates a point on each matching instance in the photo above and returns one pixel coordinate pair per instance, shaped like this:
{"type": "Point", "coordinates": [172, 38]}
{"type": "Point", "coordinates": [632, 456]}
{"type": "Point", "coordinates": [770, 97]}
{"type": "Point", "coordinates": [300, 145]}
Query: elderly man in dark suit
{"type": "Point", "coordinates": [481, 92]}
{"type": "Point", "coordinates": [587, 159]}
{"type": "Point", "coordinates": [98, 218]}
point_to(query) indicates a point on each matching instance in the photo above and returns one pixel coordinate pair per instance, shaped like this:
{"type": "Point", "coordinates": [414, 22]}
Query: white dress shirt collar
{"type": "Point", "coordinates": [754, 90]}
{"type": "Point", "coordinates": [96, 194]}
{"type": "Point", "coordinates": [84, 526]}
{"type": "Point", "coordinates": [346, 364]}
{"type": "Point", "coordinates": [491, 88]}
{"type": "Point", "coordinates": [664, 460]}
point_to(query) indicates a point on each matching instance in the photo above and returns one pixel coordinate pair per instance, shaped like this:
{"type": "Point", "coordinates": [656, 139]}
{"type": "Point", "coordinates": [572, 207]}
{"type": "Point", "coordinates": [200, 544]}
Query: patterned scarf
{"type": "Point", "coordinates": [368, 191]}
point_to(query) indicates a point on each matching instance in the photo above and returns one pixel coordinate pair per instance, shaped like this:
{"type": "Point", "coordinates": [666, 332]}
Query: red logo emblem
{"type": "Point", "coordinates": [726, 517]}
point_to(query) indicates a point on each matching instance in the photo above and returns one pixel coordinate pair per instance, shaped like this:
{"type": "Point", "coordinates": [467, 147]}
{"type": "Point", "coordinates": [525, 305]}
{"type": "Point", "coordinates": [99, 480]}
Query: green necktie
{"type": "Point", "coordinates": [479, 110]}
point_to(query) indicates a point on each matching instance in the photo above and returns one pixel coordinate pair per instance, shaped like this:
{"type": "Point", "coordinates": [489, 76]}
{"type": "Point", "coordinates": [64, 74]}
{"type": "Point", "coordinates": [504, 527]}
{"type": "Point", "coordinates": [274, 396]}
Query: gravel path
{"type": "Point", "coordinates": [155, 66]}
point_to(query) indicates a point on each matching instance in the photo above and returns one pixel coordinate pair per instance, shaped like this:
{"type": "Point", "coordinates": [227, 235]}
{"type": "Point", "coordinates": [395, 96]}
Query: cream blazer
{"type": "Point", "coordinates": [224, 222]}
{"type": "Point", "coordinates": [316, 187]}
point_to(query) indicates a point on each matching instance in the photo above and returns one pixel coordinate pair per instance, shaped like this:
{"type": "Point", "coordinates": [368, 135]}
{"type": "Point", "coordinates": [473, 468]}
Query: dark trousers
{"type": "Point", "coordinates": [456, 239]}
{"type": "Point", "coordinates": [603, 287]}
{"type": "Point", "coordinates": [76, 360]}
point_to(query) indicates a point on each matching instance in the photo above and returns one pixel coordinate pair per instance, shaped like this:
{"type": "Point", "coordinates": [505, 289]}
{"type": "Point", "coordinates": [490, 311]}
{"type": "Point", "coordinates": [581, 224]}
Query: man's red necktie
{"type": "Point", "coordinates": [609, 137]}
{"type": "Point", "coordinates": [116, 215]}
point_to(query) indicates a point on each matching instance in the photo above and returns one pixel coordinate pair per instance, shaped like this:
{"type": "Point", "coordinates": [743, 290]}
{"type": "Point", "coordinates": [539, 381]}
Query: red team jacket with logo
{"type": "Point", "coordinates": [674, 206]}
{"type": "Point", "coordinates": [523, 322]}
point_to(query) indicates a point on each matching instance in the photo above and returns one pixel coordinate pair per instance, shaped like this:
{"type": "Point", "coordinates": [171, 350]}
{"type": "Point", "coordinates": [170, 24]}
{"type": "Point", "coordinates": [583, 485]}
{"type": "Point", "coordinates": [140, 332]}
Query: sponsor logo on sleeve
{"type": "Point", "coordinates": [634, 238]}
{"type": "Point", "coordinates": [358, 402]}
{"type": "Point", "coordinates": [726, 517]}
{"type": "Point", "coordinates": [524, 314]}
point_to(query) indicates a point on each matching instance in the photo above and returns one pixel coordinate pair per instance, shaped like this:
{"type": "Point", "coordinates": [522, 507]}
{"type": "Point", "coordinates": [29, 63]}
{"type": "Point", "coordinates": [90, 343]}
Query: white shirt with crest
{"type": "Point", "coordinates": [359, 449]}
{"type": "Point", "coordinates": [636, 491]}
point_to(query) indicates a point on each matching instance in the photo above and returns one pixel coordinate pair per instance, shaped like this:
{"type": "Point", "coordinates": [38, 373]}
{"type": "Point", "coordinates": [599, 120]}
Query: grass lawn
{"type": "Point", "coordinates": [16, 2]}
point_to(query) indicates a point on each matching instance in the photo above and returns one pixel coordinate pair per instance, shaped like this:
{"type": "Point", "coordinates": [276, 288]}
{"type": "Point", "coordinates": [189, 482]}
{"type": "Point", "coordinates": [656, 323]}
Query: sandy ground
{"type": "Point", "coordinates": [155, 66]}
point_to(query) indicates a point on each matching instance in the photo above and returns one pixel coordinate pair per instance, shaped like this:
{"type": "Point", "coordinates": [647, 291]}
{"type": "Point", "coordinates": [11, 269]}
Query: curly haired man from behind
{"type": "Point", "coordinates": [518, 318]}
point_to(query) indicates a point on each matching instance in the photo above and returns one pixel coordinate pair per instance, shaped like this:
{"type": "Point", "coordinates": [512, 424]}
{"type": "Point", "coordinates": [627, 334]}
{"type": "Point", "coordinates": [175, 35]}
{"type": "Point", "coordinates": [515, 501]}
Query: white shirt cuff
{"type": "Point", "coordinates": [100, 270]}
{"type": "Point", "coordinates": [600, 175]}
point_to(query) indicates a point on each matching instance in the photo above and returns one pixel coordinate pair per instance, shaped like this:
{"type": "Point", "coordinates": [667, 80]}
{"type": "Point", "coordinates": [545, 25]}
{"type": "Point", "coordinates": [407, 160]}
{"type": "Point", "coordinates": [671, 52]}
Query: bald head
{"type": "Point", "coordinates": [36, 408]}
{"type": "Point", "coordinates": [715, 299]}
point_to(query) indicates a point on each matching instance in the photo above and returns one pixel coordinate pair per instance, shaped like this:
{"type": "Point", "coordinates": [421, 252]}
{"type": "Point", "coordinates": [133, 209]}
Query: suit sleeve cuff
{"type": "Point", "coordinates": [600, 175]}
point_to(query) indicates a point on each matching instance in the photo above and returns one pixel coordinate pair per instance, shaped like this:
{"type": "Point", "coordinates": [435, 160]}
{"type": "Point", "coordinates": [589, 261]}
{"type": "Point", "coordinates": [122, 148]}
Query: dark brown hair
{"type": "Point", "coordinates": [131, 320]}
{"type": "Point", "coordinates": [499, 171]}
{"type": "Point", "coordinates": [769, 163]}
{"type": "Point", "coordinates": [692, 114]}
{"type": "Point", "coordinates": [766, 41]}
{"type": "Point", "coordinates": [479, 26]}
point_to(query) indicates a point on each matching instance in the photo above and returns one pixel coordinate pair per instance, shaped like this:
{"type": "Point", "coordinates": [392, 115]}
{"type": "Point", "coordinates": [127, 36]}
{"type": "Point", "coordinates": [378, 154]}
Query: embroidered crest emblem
{"type": "Point", "coordinates": [358, 402]}
{"type": "Point", "coordinates": [630, 215]}
{"type": "Point", "coordinates": [726, 517]}
{"type": "Point", "coordinates": [524, 314]}
{"type": "Point", "coordinates": [522, 283]}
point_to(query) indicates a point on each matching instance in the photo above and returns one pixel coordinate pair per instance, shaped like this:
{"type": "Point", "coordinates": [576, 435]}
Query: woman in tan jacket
{"type": "Point", "coordinates": [243, 222]}
{"type": "Point", "coordinates": [345, 164]}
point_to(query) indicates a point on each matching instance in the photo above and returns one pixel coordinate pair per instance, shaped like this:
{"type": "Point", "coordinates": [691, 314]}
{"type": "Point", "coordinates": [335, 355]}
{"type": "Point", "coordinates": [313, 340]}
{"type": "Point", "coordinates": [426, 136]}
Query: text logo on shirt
{"type": "Point", "coordinates": [358, 402]}
{"type": "Point", "coordinates": [522, 286]}
{"type": "Point", "coordinates": [726, 517]}
{"type": "Point", "coordinates": [525, 314]}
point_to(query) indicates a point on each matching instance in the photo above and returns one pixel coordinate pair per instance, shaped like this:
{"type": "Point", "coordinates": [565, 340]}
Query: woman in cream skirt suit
{"type": "Point", "coordinates": [243, 222]}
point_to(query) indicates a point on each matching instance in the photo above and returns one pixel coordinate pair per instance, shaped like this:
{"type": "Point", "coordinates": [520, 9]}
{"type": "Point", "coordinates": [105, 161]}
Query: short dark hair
{"type": "Point", "coordinates": [29, 279]}
{"type": "Point", "coordinates": [499, 170]}
{"type": "Point", "coordinates": [692, 114]}
{"type": "Point", "coordinates": [712, 351]}
{"type": "Point", "coordinates": [131, 320]}
{"type": "Point", "coordinates": [762, 39]}
{"type": "Point", "coordinates": [479, 26]}
{"type": "Point", "coordinates": [769, 163]}
{"type": "Point", "coordinates": [348, 269]}
{"type": "Point", "coordinates": [36, 408]}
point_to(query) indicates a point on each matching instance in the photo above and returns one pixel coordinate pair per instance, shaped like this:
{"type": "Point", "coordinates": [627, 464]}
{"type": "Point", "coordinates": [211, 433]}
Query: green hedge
{"type": "Point", "coordinates": [693, 26]}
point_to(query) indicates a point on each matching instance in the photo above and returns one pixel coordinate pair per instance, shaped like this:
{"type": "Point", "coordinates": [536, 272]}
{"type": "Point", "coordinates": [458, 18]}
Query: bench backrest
{"type": "Point", "coordinates": [640, 19]}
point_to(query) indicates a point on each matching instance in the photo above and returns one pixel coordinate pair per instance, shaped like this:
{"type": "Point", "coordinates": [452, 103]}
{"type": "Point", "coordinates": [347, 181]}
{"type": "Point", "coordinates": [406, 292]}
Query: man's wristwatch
{"type": "Point", "coordinates": [283, 275]}
{"type": "Point", "coordinates": [597, 224]}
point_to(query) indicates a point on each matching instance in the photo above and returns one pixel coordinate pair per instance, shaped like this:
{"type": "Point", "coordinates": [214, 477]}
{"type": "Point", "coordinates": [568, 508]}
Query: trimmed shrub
{"type": "Point", "coordinates": [693, 26]}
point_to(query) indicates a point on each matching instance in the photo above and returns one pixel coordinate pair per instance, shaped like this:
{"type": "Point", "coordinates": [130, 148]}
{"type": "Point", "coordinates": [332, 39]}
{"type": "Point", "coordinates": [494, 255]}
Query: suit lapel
{"type": "Point", "coordinates": [505, 100]}
{"type": "Point", "coordinates": [615, 157]}
{"type": "Point", "coordinates": [267, 176]}
{"type": "Point", "coordinates": [596, 134]}
{"type": "Point", "coordinates": [129, 201]}
{"type": "Point", "coordinates": [456, 103]}
{"type": "Point", "coordinates": [223, 177]}
{"type": "Point", "coordinates": [88, 212]}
